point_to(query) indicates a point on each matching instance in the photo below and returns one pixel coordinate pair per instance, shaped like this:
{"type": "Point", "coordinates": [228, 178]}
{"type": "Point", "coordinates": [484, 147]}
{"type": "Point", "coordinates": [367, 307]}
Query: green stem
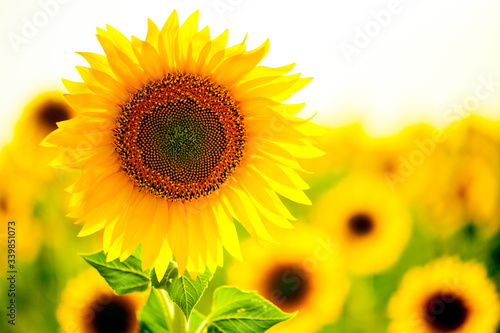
{"type": "Point", "coordinates": [180, 322]}
{"type": "Point", "coordinates": [202, 327]}
{"type": "Point", "coordinates": [176, 321]}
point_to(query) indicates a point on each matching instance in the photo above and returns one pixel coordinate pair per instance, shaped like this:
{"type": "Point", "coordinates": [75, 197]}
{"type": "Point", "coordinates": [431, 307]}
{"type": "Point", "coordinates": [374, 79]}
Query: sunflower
{"type": "Point", "coordinates": [397, 159]}
{"type": "Point", "coordinates": [479, 137]}
{"type": "Point", "coordinates": [465, 191]}
{"type": "Point", "coordinates": [176, 136]}
{"type": "Point", "coordinates": [25, 178]}
{"type": "Point", "coordinates": [89, 305]}
{"type": "Point", "coordinates": [304, 273]}
{"type": "Point", "coordinates": [342, 147]}
{"type": "Point", "coordinates": [447, 295]}
{"type": "Point", "coordinates": [370, 222]}
{"type": "Point", "coordinates": [16, 205]}
{"type": "Point", "coordinates": [41, 115]}
{"type": "Point", "coordinates": [38, 119]}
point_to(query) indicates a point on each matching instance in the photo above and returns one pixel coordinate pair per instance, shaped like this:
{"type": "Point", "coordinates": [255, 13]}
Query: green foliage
{"type": "Point", "coordinates": [123, 276]}
{"type": "Point", "coordinates": [170, 306]}
{"type": "Point", "coordinates": [153, 317]}
{"type": "Point", "coordinates": [182, 290]}
{"type": "Point", "coordinates": [234, 310]}
{"type": "Point", "coordinates": [196, 321]}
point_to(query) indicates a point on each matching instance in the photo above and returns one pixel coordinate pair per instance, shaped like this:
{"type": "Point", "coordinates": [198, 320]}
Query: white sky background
{"type": "Point", "coordinates": [416, 67]}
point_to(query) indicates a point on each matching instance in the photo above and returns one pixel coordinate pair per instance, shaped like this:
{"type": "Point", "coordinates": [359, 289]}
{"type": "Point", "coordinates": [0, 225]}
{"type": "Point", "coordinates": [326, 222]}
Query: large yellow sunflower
{"type": "Point", "coordinates": [176, 136]}
{"type": "Point", "coordinates": [370, 222]}
{"type": "Point", "coordinates": [89, 305]}
{"type": "Point", "coordinates": [304, 273]}
{"type": "Point", "coordinates": [447, 295]}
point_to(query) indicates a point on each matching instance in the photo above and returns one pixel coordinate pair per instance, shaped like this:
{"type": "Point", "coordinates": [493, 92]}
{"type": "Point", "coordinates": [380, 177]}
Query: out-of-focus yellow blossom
{"type": "Point", "coordinates": [342, 147]}
{"type": "Point", "coordinates": [304, 273]}
{"type": "Point", "coordinates": [371, 223]}
{"type": "Point", "coordinates": [459, 182]}
{"type": "Point", "coordinates": [89, 305]}
{"type": "Point", "coordinates": [446, 295]}
{"type": "Point", "coordinates": [26, 177]}
{"type": "Point", "coordinates": [38, 119]}
{"type": "Point", "coordinates": [17, 205]}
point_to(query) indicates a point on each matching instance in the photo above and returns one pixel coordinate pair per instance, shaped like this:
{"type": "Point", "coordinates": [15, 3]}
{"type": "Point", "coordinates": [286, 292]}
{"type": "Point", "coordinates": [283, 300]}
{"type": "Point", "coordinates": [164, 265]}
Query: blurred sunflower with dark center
{"type": "Point", "coordinates": [446, 295]}
{"type": "Point", "coordinates": [304, 273]}
{"type": "Point", "coordinates": [39, 118]}
{"type": "Point", "coordinates": [370, 223]}
{"type": "Point", "coordinates": [25, 177]}
{"type": "Point", "coordinates": [89, 305]}
{"type": "Point", "coordinates": [465, 192]}
{"type": "Point", "coordinates": [176, 136]}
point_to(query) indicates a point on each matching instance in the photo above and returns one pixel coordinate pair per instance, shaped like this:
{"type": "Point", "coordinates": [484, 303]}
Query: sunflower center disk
{"type": "Point", "coordinates": [117, 316]}
{"type": "Point", "coordinates": [445, 312]}
{"type": "Point", "coordinates": [361, 224]}
{"type": "Point", "coordinates": [181, 137]}
{"type": "Point", "coordinates": [51, 113]}
{"type": "Point", "coordinates": [288, 286]}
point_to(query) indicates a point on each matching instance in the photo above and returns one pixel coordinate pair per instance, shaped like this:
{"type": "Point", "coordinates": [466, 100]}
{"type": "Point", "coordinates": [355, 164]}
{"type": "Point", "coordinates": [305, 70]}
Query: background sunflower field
{"type": "Point", "coordinates": [403, 234]}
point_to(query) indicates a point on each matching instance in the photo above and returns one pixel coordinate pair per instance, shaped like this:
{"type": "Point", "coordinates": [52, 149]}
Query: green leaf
{"type": "Point", "coordinates": [124, 277]}
{"type": "Point", "coordinates": [153, 316]}
{"type": "Point", "coordinates": [183, 290]}
{"type": "Point", "coordinates": [195, 321]}
{"type": "Point", "coordinates": [234, 310]}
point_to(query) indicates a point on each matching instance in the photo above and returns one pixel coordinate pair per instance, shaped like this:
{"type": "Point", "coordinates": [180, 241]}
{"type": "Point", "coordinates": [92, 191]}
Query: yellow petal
{"type": "Point", "coordinates": [177, 234]}
{"type": "Point", "coordinates": [155, 237]}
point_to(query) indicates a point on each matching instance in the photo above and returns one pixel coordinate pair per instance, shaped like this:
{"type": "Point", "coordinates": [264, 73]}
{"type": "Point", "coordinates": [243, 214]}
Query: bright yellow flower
{"type": "Point", "coordinates": [41, 115]}
{"type": "Point", "coordinates": [16, 204]}
{"type": "Point", "coordinates": [463, 172]}
{"type": "Point", "coordinates": [176, 136]}
{"type": "Point", "coordinates": [304, 273]}
{"type": "Point", "coordinates": [24, 174]}
{"type": "Point", "coordinates": [342, 147]}
{"type": "Point", "coordinates": [447, 295]}
{"type": "Point", "coordinates": [479, 137]}
{"type": "Point", "coordinates": [397, 159]}
{"type": "Point", "coordinates": [38, 119]}
{"type": "Point", "coordinates": [89, 305]}
{"type": "Point", "coordinates": [370, 222]}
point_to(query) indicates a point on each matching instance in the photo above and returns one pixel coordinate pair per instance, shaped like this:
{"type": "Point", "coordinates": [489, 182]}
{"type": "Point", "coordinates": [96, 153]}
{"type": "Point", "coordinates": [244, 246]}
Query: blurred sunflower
{"type": "Point", "coordinates": [89, 305]}
{"type": "Point", "coordinates": [447, 295]}
{"type": "Point", "coordinates": [397, 159]}
{"type": "Point", "coordinates": [17, 204]}
{"type": "Point", "coordinates": [465, 191]}
{"type": "Point", "coordinates": [479, 136]}
{"type": "Point", "coordinates": [370, 223]}
{"type": "Point", "coordinates": [41, 115]}
{"type": "Point", "coordinates": [304, 273]}
{"type": "Point", "coordinates": [176, 136]}
{"type": "Point", "coordinates": [342, 147]}
{"type": "Point", "coordinates": [25, 177]}
{"type": "Point", "coordinates": [38, 119]}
